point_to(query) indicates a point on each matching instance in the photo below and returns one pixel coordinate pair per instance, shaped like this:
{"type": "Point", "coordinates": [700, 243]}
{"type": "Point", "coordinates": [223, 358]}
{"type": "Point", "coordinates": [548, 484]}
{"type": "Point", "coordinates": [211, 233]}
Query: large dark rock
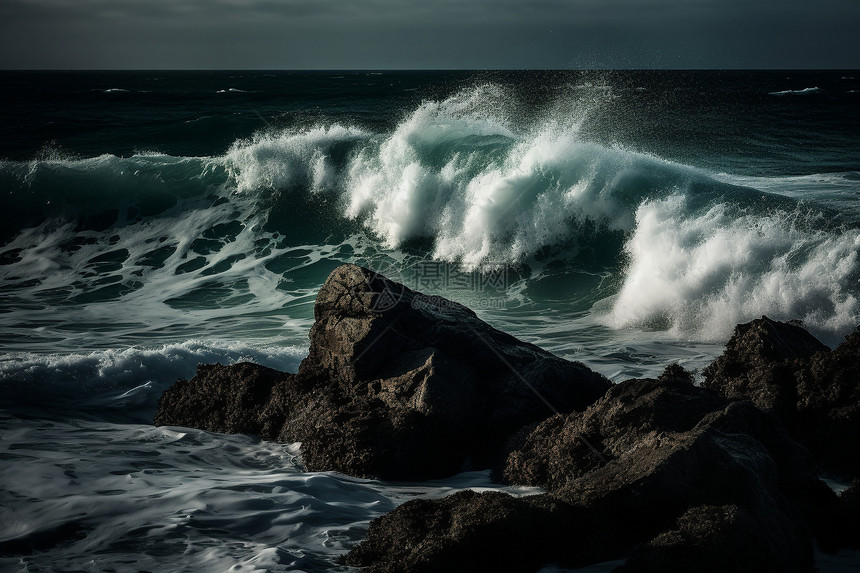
{"type": "Point", "coordinates": [672, 475]}
{"type": "Point", "coordinates": [757, 364]}
{"type": "Point", "coordinates": [396, 384]}
{"type": "Point", "coordinates": [492, 531]}
{"type": "Point", "coordinates": [814, 391]}
{"type": "Point", "coordinates": [670, 456]}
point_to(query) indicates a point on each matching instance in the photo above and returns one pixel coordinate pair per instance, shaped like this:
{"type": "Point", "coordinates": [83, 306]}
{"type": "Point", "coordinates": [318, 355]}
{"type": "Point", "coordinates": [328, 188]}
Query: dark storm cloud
{"type": "Point", "coordinates": [421, 34]}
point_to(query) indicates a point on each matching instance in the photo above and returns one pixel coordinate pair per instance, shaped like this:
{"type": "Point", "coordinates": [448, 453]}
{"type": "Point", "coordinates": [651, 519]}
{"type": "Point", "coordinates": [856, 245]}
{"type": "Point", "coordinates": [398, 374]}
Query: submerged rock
{"type": "Point", "coordinates": [814, 391]}
{"type": "Point", "coordinates": [397, 384]}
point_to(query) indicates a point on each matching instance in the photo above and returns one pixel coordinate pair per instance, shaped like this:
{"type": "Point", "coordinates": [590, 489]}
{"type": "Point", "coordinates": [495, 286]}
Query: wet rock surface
{"type": "Point", "coordinates": [491, 531]}
{"type": "Point", "coordinates": [813, 390]}
{"type": "Point", "coordinates": [220, 398]}
{"type": "Point", "coordinates": [686, 479]}
{"type": "Point", "coordinates": [396, 384]}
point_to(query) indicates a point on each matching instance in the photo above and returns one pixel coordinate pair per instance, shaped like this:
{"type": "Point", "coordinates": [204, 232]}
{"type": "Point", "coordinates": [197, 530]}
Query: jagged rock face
{"type": "Point", "coordinates": [828, 407]}
{"type": "Point", "coordinates": [432, 354]}
{"type": "Point", "coordinates": [671, 474]}
{"type": "Point", "coordinates": [558, 451]}
{"type": "Point", "coordinates": [757, 364]}
{"type": "Point", "coordinates": [396, 384]}
{"type": "Point", "coordinates": [814, 391]}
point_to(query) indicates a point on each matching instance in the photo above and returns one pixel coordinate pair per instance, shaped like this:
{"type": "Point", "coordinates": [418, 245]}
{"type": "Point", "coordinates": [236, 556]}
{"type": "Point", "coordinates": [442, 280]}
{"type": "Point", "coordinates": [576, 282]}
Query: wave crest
{"type": "Point", "coordinates": [699, 276]}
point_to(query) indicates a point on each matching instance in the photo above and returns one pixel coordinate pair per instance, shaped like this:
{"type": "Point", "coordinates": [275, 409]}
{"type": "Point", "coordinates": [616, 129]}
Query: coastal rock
{"type": "Point", "coordinates": [671, 475]}
{"type": "Point", "coordinates": [227, 399]}
{"type": "Point", "coordinates": [757, 364]}
{"type": "Point", "coordinates": [396, 384]}
{"type": "Point", "coordinates": [814, 391]}
{"type": "Point", "coordinates": [716, 539]}
{"type": "Point", "coordinates": [492, 531]}
{"type": "Point", "coordinates": [637, 416]}
{"type": "Point", "coordinates": [558, 451]}
{"type": "Point", "coordinates": [665, 448]}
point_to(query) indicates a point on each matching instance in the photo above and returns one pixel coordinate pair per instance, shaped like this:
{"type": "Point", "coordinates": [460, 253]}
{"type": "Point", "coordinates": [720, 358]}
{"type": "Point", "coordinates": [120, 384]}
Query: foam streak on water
{"type": "Point", "coordinates": [96, 496]}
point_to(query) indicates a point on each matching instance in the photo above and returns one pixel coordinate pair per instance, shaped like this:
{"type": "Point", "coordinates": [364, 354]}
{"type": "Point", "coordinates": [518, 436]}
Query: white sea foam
{"type": "Point", "coordinates": [700, 275]}
{"type": "Point", "coordinates": [458, 173]}
{"type": "Point", "coordinates": [281, 159]}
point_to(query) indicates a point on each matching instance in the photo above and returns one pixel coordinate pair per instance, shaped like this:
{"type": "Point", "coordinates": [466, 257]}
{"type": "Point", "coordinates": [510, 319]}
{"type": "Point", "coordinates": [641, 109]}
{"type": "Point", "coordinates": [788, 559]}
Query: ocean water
{"type": "Point", "coordinates": [151, 221]}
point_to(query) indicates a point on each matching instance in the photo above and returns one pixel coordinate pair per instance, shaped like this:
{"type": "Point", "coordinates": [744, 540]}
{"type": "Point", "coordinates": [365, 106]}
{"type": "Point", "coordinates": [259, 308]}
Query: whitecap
{"type": "Point", "coordinates": [804, 91]}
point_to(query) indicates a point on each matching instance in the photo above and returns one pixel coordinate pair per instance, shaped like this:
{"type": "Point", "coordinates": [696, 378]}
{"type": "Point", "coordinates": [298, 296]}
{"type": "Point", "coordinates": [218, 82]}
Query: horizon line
{"type": "Point", "coordinates": [489, 69]}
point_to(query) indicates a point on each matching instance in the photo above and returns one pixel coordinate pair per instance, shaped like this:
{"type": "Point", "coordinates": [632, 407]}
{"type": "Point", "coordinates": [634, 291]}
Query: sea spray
{"type": "Point", "coordinates": [698, 275]}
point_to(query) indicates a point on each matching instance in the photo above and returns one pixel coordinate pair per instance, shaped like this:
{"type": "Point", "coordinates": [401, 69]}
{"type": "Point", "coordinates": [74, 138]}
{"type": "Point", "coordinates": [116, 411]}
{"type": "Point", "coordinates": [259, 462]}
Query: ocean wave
{"type": "Point", "coordinates": [464, 180]}
{"type": "Point", "coordinates": [699, 275]}
{"type": "Point", "coordinates": [291, 159]}
{"type": "Point", "coordinates": [127, 380]}
{"type": "Point", "coordinates": [804, 91]}
{"type": "Point", "coordinates": [104, 191]}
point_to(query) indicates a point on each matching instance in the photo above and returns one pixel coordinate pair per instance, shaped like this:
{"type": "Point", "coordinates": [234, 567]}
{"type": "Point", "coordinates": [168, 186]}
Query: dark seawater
{"type": "Point", "coordinates": [150, 221]}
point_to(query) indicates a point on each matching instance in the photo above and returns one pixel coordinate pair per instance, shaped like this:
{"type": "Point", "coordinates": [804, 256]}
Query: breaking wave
{"type": "Point", "coordinates": [465, 180]}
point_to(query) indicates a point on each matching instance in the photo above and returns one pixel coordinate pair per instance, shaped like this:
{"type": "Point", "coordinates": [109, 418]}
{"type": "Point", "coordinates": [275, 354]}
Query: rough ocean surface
{"type": "Point", "coordinates": [151, 222]}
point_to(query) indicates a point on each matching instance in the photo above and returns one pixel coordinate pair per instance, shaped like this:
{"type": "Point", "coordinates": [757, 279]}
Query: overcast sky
{"type": "Point", "coordinates": [404, 34]}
